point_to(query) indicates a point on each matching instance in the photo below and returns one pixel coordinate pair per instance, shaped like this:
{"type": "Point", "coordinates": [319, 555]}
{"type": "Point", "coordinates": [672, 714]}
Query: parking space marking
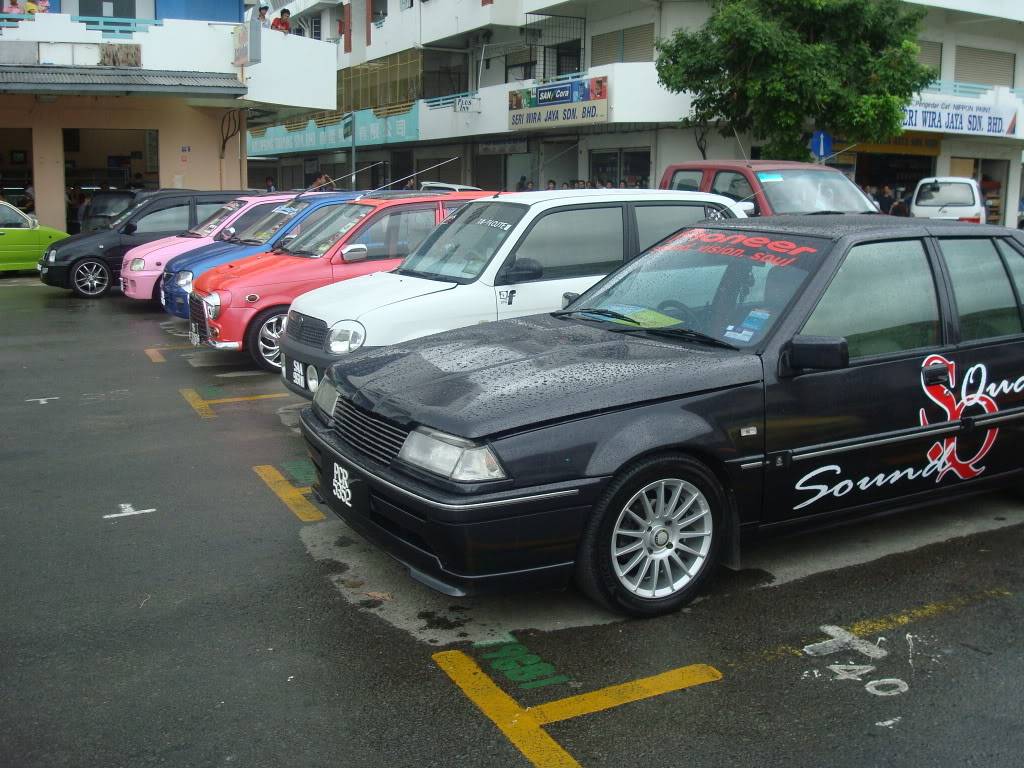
{"type": "Point", "coordinates": [294, 497]}
{"type": "Point", "coordinates": [127, 510]}
{"type": "Point", "coordinates": [202, 406]}
{"type": "Point", "coordinates": [523, 726]}
{"type": "Point", "coordinates": [155, 354]}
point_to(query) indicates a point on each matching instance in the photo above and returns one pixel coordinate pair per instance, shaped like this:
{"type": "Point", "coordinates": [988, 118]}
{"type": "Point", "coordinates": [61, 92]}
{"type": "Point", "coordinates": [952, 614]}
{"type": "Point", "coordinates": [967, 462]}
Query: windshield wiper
{"type": "Point", "coordinates": [685, 333]}
{"type": "Point", "coordinates": [248, 241]}
{"type": "Point", "coordinates": [424, 275]}
{"type": "Point", "coordinates": [599, 311]}
{"type": "Point", "coordinates": [290, 252]}
{"type": "Point", "coordinates": [827, 213]}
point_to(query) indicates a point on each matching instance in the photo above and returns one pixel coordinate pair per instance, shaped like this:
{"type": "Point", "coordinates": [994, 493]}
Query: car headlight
{"type": "Point", "coordinates": [52, 257]}
{"type": "Point", "coordinates": [212, 303]}
{"type": "Point", "coordinates": [345, 336]}
{"type": "Point", "coordinates": [449, 456]}
{"type": "Point", "coordinates": [326, 397]}
{"type": "Point", "coordinates": [184, 280]}
{"type": "Point", "coordinates": [137, 265]}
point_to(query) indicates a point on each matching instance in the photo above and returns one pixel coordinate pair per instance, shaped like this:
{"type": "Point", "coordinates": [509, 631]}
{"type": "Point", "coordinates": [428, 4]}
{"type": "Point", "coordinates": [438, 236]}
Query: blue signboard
{"type": "Point", "coordinates": [370, 130]}
{"type": "Point", "coordinates": [821, 144]}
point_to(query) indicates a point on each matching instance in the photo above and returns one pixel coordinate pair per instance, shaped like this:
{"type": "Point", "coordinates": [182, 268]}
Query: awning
{"type": "Point", "coordinates": [78, 80]}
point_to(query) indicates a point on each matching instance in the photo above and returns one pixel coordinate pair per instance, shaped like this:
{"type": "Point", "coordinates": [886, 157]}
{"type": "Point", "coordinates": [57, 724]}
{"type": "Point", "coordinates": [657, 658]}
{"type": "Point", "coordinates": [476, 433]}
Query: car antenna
{"type": "Point", "coordinates": [331, 181]}
{"type": "Point", "coordinates": [411, 175]}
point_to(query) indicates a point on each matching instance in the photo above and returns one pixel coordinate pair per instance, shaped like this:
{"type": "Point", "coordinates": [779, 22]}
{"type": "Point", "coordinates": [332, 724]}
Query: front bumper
{"type": "Point", "coordinates": [54, 274]}
{"type": "Point", "coordinates": [173, 298]}
{"type": "Point", "coordinates": [294, 351]}
{"type": "Point", "coordinates": [139, 285]}
{"type": "Point", "coordinates": [464, 545]}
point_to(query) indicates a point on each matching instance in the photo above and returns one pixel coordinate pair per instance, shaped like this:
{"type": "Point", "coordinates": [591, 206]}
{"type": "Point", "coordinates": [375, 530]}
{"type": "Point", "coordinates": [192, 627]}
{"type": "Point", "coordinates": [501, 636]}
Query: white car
{"type": "Point", "coordinates": [948, 197]}
{"type": "Point", "coordinates": [495, 258]}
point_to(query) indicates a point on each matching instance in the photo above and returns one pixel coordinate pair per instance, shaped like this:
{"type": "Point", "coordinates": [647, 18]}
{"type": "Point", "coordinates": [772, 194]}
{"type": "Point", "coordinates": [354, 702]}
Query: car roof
{"type": "Point", "coordinates": [419, 197]}
{"type": "Point", "coordinates": [754, 165]}
{"type": "Point", "coordinates": [569, 196]}
{"type": "Point", "coordinates": [947, 179]}
{"type": "Point", "coordinates": [835, 227]}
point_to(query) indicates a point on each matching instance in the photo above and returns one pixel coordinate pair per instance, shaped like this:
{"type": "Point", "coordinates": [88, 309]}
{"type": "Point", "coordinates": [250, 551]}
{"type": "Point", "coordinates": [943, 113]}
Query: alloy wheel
{"type": "Point", "coordinates": [91, 278]}
{"type": "Point", "coordinates": [270, 340]}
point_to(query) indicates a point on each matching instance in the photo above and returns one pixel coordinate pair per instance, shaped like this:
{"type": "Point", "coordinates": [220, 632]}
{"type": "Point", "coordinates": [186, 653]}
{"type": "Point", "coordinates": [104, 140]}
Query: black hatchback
{"type": "Point", "coordinates": [89, 263]}
{"type": "Point", "coordinates": [738, 378]}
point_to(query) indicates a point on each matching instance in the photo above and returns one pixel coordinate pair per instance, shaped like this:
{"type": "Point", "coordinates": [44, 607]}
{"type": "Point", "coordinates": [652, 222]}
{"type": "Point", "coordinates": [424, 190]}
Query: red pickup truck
{"type": "Point", "coordinates": [771, 186]}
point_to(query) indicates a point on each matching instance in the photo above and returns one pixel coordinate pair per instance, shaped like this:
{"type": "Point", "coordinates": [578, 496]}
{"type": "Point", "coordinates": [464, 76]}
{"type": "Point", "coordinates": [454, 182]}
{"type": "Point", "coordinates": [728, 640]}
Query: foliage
{"type": "Point", "coordinates": [775, 68]}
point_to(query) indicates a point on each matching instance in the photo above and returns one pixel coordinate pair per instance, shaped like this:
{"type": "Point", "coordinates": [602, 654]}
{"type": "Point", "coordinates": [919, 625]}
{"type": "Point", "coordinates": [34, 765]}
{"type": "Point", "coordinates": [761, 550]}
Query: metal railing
{"type": "Point", "coordinates": [957, 88]}
{"type": "Point", "coordinates": [10, 20]}
{"type": "Point", "coordinates": [118, 28]}
{"type": "Point", "coordinates": [446, 102]}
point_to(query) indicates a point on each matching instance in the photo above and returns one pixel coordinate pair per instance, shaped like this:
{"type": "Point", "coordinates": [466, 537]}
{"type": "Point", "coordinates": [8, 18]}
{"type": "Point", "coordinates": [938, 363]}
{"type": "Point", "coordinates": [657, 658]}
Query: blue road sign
{"type": "Point", "coordinates": [821, 144]}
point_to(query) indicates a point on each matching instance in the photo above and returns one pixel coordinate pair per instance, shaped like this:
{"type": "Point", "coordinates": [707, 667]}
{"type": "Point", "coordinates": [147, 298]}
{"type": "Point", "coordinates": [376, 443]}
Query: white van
{"type": "Point", "coordinates": [497, 257]}
{"type": "Point", "coordinates": [948, 197]}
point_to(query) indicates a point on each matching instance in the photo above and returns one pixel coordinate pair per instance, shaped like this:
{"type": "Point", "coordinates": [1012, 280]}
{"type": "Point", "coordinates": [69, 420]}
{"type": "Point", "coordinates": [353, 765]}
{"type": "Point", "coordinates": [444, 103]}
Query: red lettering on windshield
{"type": "Point", "coordinates": [779, 253]}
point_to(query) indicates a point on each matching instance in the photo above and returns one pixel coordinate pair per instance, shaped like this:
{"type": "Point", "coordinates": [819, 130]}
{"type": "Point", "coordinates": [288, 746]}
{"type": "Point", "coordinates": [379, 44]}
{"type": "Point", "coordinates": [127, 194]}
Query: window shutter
{"type": "Point", "coordinates": [977, 65]}
{"type": "Point", "coordinates": [638, 43]}
{"type": "Point", "coordinates": [605, 49]}
{"type": "Point", "coordinates": [930, 55]}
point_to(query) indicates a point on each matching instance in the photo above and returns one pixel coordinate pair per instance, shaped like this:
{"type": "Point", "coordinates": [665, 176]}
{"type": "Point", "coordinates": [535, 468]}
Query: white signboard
{"type": "Point", "coordinates": [568, 103]}
{"type": "Point", "coordinates": [944, 114]}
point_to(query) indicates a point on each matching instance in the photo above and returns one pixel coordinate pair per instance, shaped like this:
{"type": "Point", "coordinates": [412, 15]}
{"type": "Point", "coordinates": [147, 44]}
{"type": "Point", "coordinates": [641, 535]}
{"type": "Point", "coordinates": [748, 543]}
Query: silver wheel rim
{"type": "Point", "coordinates": [661, 538]}
{"type": "Point", "coordinates": [91, 278]}
{"type": "Point", "coordinates": [270, 340]}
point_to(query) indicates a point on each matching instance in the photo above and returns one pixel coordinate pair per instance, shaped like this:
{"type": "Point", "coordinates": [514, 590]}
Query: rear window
{"type": "Point", "coordinates": [945, 193]}
{"type": "Point", "coordinates": [109, 205]}
{"type": "Point", "coordinates": [687, 181]}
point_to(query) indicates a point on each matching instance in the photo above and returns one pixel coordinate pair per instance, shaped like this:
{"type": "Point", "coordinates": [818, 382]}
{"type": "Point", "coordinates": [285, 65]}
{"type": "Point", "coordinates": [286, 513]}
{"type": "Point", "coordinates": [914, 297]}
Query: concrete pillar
{"type": "Point", "coordinates": [1011, 195]}
{"type": "Point", "coordinates": [48, 173]}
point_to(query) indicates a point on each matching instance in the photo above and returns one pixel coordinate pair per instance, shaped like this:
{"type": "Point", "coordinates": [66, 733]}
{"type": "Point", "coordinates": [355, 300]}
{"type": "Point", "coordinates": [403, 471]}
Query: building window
{"type": "Point", "coordinates": [983, 66]}
{"type": "Point", "coordinates": [622, 45]}
{"type": "Point", "coordinates": [615, 166]}
{"type": "Point", "coordinates": [930, 55]}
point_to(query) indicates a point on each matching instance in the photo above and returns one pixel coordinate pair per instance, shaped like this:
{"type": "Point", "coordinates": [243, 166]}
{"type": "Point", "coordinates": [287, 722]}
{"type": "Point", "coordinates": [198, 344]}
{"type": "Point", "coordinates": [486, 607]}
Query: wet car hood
{"type": "Point", "coordinates": [351, 299]}
{"type": "Point", "coordinates": [502, 376]}
{"type": "Point", "coordinates": [262, 269]}
{"type": "Point", "coordinates": [86, 243]}
{"type": "Point", "coordinates": [215, 252]}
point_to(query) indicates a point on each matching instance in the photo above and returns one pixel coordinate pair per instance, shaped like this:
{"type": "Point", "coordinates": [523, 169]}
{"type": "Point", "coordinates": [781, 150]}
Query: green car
{"type": "Point", "coordinates": [23, 241]}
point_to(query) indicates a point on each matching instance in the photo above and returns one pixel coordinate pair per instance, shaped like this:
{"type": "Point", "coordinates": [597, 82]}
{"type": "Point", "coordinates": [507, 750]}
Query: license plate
{"type": "Point", "coordinates": [344, 489]}
{"type": "Point", "coordinates": [193, 334]}
{"type": "Point", "coordinates": [298, 374]}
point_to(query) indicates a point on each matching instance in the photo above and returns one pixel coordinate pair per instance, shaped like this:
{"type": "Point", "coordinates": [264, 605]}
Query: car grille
{"type": "Point", "coordinates": [308, 330]}
{"type": "Point", "coordinates": [367, 432]}
{"type": "Point", "coordinates": [197, 315]}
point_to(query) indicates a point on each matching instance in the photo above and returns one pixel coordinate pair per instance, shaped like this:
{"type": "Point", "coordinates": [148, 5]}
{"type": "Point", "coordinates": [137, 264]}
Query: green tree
{"type": "Point", "coordinates": [773, 68]}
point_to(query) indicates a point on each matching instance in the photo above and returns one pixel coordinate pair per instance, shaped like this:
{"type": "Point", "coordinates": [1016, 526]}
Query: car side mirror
{"type": "Point", "coordinates": [130, 228]}
{"type": "Point", "coordinates": [523, 271]}
{"type": "Point", "coordinates": [818, 353]}
{"type": "Point", "coordinates": [355, 252]}
{"type": "Point", "coordinates": [228, 233]}
{"type": "Point", "coordinates": [568, 298]}
{"type": "Point", "coordinates": [33, 222]}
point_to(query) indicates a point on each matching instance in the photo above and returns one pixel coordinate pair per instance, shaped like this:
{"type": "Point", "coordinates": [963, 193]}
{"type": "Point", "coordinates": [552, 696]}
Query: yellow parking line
{"type": "Point", "coordinates": [294, 498]}
{"type": "Point", "coordinates": [155, 354]}
{"type": "Point", "coordinates": [245, 398]}
{"type": "Point", "coordinates": [894, 620]}
{"type": "Point", "coordinates": [624, 693]}
{"type": "Point", "coordinates": [199, 405]}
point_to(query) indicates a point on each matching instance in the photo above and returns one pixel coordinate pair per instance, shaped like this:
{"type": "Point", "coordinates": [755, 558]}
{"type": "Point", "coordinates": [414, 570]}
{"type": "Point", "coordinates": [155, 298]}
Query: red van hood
{"type": "Point", "coordinates": [260, 271]}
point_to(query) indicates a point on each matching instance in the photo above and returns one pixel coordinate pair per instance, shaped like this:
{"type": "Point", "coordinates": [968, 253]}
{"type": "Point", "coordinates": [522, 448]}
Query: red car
{"type": "Point", "coordinates": [243, 305]}
{"type": "Point", "coordinates": [771, 186]}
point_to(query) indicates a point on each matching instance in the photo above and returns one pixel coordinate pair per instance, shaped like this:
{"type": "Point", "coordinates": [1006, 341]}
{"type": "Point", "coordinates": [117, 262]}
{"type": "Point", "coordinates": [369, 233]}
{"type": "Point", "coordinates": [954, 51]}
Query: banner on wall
{"type": "Point", "coordinates": [369, 130]}
{"type": "Point", "coordinates": [944, 114]}
{"type": "Point", "coordinates": [572, 102]}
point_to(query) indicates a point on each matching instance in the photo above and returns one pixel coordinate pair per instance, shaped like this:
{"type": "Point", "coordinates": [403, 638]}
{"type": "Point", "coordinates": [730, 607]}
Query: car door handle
{"type": "Point", "coordinates": [936, 374]}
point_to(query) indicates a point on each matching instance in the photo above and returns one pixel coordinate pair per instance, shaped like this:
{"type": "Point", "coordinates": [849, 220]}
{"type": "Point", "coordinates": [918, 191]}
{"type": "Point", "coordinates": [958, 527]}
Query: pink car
{"type": "Point", "coordinates": [143, 265]}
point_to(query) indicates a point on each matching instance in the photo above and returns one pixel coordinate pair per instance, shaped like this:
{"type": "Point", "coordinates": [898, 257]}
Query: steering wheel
{"type": "Point", "coordinates": [675, 308]}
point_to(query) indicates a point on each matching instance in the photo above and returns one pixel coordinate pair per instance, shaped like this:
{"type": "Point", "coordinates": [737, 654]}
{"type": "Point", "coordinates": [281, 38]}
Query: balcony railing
{"type": "Point", "coordinates": [446, 102]}
{"type": "Point", "coordinates": [117, 28]}
{"type": "Point", "coordinates": [956, 88]}
{"type": "Point", "coordinates": [10, 20]}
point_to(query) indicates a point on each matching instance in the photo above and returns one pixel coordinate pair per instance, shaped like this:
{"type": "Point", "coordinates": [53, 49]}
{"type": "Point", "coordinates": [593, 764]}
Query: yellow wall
{"type": "Point", "coordinates": [178, 124]}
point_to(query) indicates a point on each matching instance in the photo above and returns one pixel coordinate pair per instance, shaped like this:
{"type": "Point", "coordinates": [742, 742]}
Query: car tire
{"type": "Point", "coordinates": [263, 335]}
{"type": "Point", "coordinates": [90, 278]}
{"type": "Point", "coordinates": [662, 563]}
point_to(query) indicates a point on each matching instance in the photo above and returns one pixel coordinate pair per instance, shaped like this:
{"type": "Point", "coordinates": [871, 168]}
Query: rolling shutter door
{"type": "Point", "coordinates": [976, 65]}
{"type": "Point", "coordinates": [638, 43]}
{"type": "Point", "coordinates": [604, 49]}
{"type": "Point", "coordinates": [930, 55]}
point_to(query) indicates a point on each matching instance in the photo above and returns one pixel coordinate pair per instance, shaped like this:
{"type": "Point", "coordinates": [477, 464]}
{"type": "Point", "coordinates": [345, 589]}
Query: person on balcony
{"type": "Point", "coordinates": [283, 22]}
{"type": "Point", "coordinates": [264, 19]}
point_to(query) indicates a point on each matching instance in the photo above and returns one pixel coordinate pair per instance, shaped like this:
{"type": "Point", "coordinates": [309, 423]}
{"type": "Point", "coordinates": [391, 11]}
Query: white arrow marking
{"type": "Point", "coordinates": [41, 400]}
{"type": "Point", "coordinates": [843, 641]}
{"type": "Point", "coordinates": [127, 510]}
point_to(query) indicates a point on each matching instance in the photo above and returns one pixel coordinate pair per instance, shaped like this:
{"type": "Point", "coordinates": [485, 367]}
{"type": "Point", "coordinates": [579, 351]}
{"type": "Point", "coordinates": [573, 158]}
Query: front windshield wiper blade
{"type": "Point", "coordinates": [599, 311]}
{"type": "Point", "coordinates": [828, 213]}
{"type": "Point", "coordinates": [291, 252]}
{"type": "Point", "coordinates": [247, 241]}
{"type": "Point", "coordinates": [686, 333]}
{"type": "Point", "coordinates": [424, 275]}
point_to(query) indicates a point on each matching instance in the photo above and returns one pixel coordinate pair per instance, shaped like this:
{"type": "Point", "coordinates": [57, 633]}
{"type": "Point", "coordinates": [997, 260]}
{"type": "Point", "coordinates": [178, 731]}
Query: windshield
{"type": "Point", "coordinates": [208, 227]}
{"type": "Point", "coordinates": [945, 193]}
{"type": "Point", "coordinates": [464, 243]}
{"type": "Point", "coordinates": [249, 217]}
{"type": "Point", "coordinates": [804, 191]}
{"type": "Point", "coordinates": [128, 213]}
{"type": "Point", "coordinates": [109, 205]}
{"type": "Point", "coordinates": [326, 226]}
{"type": "Point", "coordinates": [725, 285]}
{"type": "Point", "coordinates": [261, 230]}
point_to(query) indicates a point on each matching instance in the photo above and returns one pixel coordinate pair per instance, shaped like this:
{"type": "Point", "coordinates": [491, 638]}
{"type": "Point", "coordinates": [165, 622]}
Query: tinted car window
{"type": "Point", "coordinates": [1015, 263]}
{"type": "Point", "coordinates": [656, 222]}
{"type": "Point", "coordinates": [733, 185]}
{"type": "Point", "coordinates": [209, 219]}
{"type": "Point", "coordinates": [261, 230]}
{"type": "Point", "coordinates": [318, 232]}
{"type": "Point", "coordinates": [688, 181]}
{"type": "Point", "coordinates": [945, 193]}
{"type": "Point", "coordinates": [206, 209]}
{"type": "Point", "coordinates": [882, 300]}
{"type": "Point", "coordinates": [575, 242]}
{"type": "Point", "coordinates": [11, 219]}
{"type": "Point", "coordinates": [408, 229]}
{"type": "Point", "coordinates": [173, 219]}
{"type": "Point", "coordinates": [984, 297]}
{"type": "Point", "coordinates": [247, 219]}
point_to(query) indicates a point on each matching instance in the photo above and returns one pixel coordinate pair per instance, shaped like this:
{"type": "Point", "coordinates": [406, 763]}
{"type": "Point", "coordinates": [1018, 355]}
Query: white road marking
{"type": "Point", "coordinates": [428, 615]}
{"type": "Point", "coordinates": [889, 723]}
{"type": "Point", "coordinates": [175, 327]}
{"type": "Point", "coordinates": [127, 510]}
{"type": "Point", "coordinates": [238, 374]}
{"type": "Point", "coordinates": [844, 641]}
{"type": "Point", "coordinates": [889, 686]}
{"type": "Point", "coordinates": [850, 671]}
{"type": "Point", "coordinates": [41, 400]}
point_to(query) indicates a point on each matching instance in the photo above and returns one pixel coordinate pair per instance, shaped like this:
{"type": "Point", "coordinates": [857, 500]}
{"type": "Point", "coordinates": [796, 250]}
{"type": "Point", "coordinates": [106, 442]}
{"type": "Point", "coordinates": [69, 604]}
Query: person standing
{"type": "Point", "coordinates": [551, 184]}
{"type": "Point", "coordinates": [886, 199]}
{"type": "Point", "coordinates": [262, 16]}
{"type": "Point", "coordinates": [283, 22]}
{"type": "Point", "coordinates": [271, 187]}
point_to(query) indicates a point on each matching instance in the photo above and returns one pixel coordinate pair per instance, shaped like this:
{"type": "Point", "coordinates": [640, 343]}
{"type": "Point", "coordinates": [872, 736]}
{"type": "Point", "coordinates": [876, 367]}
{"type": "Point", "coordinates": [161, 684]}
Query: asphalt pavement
{"type": "Point", "coordinates": [173, 596]}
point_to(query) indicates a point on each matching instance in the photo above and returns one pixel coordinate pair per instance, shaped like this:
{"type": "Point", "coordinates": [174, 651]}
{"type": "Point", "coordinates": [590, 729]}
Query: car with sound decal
{"type": "Point", "coordinates": [740, 377]}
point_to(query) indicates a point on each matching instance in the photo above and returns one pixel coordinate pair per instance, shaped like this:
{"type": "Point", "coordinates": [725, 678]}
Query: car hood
{"type": "Point", "coordinates": [211, 255]}
{"type": "Point", "coordinates": [260, 270]}
{"type": "Point", "coordinates": [150, 249]}
{"type": "Point", "coordinates": [497, 377]}
{"type": "Point", "coordinates": [351, 299]}
{"type": "Point", "coordinates": [86, 242]}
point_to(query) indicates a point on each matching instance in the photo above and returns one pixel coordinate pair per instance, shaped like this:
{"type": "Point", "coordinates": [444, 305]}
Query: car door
{"type": "Point", "coordinates": [563, 250]}
{"type": "Point", "coordinates": [840, 440]}
{"type": "Point", "coordinates": [19, 248]}
{"type": "Point", "coordinates": [986, 390]}
{"type": "Point", "coordinates": [161, 218]}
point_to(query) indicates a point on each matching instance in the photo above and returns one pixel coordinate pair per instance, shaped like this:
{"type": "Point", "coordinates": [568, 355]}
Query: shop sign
{"type": "Point", "coordinates": [963, 116]}
{"type": "Point", "coordinates": [369, 130]}
{"type": "Point", "coordinates": [572, 102]}
{"type": "Point", "coordinates": [466, 104]}
{"type": "Point", "coordinates": [510, 147]}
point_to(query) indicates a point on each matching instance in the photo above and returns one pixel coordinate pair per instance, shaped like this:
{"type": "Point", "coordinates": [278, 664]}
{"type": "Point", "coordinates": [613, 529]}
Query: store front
{"type": "Point", "coordinates": [615, 166]}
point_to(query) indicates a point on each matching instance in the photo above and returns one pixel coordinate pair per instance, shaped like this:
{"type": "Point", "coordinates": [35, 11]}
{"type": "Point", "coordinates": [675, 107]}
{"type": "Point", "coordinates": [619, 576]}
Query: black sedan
{"type": "Point", "coordinates": [738, 378]}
